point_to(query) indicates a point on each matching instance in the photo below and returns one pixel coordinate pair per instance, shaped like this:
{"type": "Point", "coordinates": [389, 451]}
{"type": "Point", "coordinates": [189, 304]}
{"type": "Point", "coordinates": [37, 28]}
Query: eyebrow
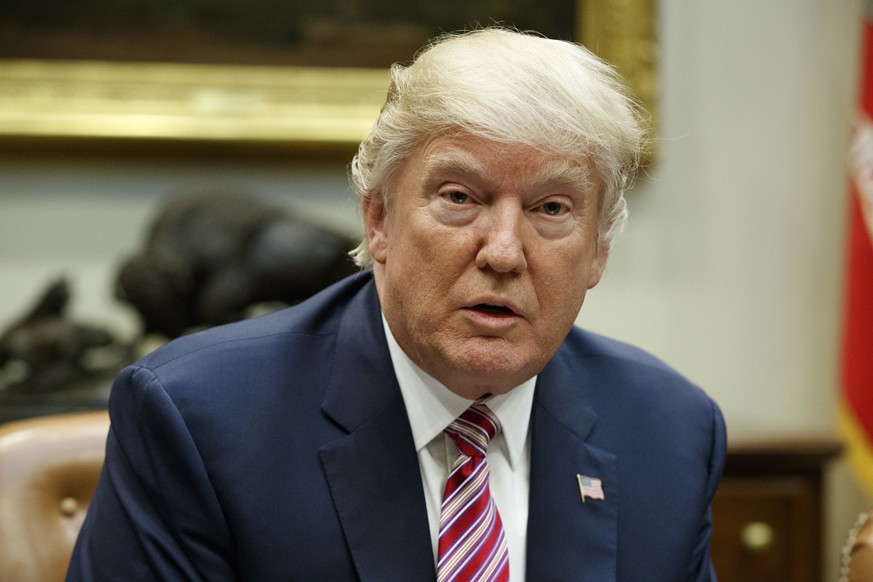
{"type": "Point", "coordinates": [563, 171]}
{"type": "Point", "coordinates": [457, 161]}
{"type": "Point", "coordinates": [558, 171]}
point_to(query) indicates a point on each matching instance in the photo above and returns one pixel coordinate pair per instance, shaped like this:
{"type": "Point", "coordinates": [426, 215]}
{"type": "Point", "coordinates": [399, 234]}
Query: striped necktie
{"type": "Point", "coordinates": [472, 543]}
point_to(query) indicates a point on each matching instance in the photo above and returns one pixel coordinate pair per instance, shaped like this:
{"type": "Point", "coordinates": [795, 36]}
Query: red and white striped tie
{"type": "Point", "coordinates": [472, 544]}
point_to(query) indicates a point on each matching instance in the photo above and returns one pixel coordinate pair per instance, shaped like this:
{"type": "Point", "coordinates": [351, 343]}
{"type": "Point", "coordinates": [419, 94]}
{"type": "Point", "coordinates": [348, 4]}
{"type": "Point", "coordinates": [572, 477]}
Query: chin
{"type": "Point", "coordinates": [494, 379]}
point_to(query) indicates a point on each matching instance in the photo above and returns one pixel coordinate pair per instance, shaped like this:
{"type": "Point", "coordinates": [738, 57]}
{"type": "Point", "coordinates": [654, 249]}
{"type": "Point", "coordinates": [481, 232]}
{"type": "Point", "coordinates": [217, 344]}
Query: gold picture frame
{"type": "Point", "coordinates": [288, 108]}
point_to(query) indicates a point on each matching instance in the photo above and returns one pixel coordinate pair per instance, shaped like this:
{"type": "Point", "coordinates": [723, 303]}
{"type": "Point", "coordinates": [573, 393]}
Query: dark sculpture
{"type": "Point", "coordinates": [45, 351]}
{"type": "Point", "coordinates": [212, 255]}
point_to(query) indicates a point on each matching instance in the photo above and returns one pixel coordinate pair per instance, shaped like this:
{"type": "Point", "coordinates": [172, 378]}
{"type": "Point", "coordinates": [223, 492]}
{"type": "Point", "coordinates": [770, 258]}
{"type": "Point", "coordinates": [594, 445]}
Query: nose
{"type": "Point", "coordinates": [502, 246]}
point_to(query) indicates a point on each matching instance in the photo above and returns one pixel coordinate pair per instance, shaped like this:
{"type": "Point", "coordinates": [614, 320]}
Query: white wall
{"type": "Point", "coordinates": [731, 266]}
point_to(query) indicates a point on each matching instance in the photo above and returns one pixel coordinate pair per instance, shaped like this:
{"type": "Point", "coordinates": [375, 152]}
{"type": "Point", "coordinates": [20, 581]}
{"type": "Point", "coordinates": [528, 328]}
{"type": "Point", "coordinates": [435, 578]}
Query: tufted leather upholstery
{"type": "Point", "coordinates": [49, 467]}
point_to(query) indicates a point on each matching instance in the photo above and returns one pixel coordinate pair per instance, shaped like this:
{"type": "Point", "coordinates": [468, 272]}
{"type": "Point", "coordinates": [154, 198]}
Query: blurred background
{"type": "Point", "coordinates": [731, 268]}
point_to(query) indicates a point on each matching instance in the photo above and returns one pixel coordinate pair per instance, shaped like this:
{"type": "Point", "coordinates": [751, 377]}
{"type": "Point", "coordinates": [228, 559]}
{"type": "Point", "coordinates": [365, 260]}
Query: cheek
{"type": "Point", "coordinates": [438, 248]}
{"type": "Point", "coordinates": [567, 299]}
{"type": "Point", "coordinates": [565, 281]}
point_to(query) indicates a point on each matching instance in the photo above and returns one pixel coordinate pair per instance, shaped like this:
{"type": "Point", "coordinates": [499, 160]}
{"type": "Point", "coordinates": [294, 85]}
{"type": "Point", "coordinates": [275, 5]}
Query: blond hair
{"type": "Point", "coordinates": [511, 87]}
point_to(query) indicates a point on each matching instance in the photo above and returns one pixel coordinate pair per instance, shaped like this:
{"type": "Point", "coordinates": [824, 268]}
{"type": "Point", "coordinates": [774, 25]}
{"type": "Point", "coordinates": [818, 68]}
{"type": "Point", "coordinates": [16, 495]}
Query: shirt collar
{"type": "Point", "coordinates": [431, 407]}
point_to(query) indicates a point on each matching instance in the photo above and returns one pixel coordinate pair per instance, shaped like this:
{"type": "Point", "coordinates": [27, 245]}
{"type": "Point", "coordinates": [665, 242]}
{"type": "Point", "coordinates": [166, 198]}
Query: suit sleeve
{"type": "Point", "coordinates": [154, 515]}
{"type": "Point", "coordinates": [702, 569]}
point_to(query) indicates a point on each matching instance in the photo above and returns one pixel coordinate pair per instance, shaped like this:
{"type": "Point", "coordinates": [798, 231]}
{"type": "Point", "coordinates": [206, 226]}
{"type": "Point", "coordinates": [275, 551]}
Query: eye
{"type": "Point", "coordinates": [554, 208]}
{"type": "Point", "coordinates": [457, 197]}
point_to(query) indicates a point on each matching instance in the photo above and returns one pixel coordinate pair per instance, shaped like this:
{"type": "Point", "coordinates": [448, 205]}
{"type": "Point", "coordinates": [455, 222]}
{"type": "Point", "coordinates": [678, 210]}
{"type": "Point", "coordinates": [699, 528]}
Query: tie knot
{"type": "Point", "coordinates": [474, 429]}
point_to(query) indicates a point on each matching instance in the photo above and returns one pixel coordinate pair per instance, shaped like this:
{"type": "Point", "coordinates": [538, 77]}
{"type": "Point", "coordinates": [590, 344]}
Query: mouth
{"type": "Point", "coordinates": [492, 309]}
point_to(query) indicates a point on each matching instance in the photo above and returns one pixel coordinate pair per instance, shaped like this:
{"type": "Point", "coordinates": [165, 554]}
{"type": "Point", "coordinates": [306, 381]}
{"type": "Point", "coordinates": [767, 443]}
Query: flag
{"type": "Point", "coordinates": [590, 487]}
{"type": "Point", "coordinates": [856, 409]}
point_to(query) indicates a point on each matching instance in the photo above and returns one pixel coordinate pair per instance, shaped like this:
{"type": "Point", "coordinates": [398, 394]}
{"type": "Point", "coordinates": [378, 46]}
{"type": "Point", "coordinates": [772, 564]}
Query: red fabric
{"type": "Point", "coordinates": [858, 333]}
{"type": "Point", "coordinates": [858, 317]}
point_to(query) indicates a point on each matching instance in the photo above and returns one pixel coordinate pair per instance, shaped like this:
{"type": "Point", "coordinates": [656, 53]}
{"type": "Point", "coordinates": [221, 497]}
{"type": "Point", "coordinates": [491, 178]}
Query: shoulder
{"type": "Point", "coordinates": [611, 354]}
{"type": "Point", "coordinates": [247, 373]}
{"type": "Point", "coordinates": [609, 370]}
{"type": "Point", "coordinates": [282, 356]}
{"type": "Point", "coordinates": [317, 317]}
{"type": "Point", "coordinates": [646, 409]}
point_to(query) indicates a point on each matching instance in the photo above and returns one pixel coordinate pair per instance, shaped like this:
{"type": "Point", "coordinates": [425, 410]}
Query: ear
{"type": "Point", "coordinates": [373, 207]}
{"type": "Point", "coordinates": [598, 265]}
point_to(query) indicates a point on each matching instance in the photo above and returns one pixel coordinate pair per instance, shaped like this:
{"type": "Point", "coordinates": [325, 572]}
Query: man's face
{"type": "Point", "coordinates": [483, 259]}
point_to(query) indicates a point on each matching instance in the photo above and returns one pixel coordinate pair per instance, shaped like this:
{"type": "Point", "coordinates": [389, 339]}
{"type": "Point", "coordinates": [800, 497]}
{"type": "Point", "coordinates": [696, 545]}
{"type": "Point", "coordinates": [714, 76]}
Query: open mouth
{"type": "Point", "coordinates": [493, 309]}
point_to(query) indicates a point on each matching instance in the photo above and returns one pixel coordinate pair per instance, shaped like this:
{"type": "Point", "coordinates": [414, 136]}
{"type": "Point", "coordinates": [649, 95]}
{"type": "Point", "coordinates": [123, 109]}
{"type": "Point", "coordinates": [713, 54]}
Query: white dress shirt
{"type": "Point", "coordinates": [431, 407]}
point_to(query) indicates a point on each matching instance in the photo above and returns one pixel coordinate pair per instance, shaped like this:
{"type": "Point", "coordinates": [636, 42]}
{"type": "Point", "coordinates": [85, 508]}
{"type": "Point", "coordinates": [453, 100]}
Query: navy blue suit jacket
{"type": "Point", "coordinates": [279, 449]}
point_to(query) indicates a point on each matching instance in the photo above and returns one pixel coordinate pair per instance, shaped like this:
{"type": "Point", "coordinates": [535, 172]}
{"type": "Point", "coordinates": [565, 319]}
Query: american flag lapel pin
{"type": "Point", "coordinates": [590, 487]}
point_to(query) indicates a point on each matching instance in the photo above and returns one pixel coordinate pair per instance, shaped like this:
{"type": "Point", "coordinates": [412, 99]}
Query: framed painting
{"type": "Point", "coordinates": [278, 73]}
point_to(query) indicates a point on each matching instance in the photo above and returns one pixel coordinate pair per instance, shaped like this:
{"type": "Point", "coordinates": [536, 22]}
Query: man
{"type": "Point", "coordinates": [318, 443]}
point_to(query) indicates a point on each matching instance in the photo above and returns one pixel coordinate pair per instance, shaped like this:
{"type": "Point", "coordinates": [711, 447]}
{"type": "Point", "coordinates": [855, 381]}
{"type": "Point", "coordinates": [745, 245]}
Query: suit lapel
{"type": "Point", "coordinates": [566, 538]}
{"type": "Point", "coordinates": [373, 471]}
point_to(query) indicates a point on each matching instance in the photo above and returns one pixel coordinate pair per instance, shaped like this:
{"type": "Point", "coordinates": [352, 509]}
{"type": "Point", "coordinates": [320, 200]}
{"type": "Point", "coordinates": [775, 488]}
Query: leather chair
{"type": "Point", "coordinates": [49, 467]}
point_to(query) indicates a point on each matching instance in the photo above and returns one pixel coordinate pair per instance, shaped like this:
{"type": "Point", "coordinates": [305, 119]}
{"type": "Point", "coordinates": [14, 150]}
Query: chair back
{"type": "Point", "coordinates": [49, 467]}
